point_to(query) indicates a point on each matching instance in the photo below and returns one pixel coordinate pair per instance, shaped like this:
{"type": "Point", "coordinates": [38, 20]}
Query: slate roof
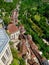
{"type": "Point", "coordinates": [4, 39]}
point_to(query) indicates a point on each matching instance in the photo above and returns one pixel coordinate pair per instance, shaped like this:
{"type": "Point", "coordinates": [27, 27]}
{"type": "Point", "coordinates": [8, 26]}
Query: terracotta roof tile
{"type": "Point", "coordinates": [32, 44]}
{"type": "Point", "coordinates": [21, 28]}
{"type": "Point", "coordinates": [32, 62]}
{"type": "Point", "coordinates": [29, 37]}
{"type": "Point", "coordinates": [22, 36]}
{"type": "Point", "coordinates": [23, 47]}
{"type": "Point", "coordinates": [12, 28]}
{"type": "Point", "coordinates": [32, 54]}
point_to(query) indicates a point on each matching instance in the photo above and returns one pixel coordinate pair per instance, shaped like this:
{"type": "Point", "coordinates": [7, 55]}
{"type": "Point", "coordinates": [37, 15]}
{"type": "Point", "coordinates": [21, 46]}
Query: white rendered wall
{"type": "Point", "coordinates": [9, 59]}
{"type": "Point", "coordinates": [15, 35]}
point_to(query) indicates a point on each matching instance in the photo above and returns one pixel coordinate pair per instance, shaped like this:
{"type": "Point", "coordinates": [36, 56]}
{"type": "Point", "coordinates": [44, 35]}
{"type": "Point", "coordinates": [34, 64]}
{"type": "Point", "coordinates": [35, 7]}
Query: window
{"type": "Point", "coordinates": [7, 53]}
{"type": "Point", "coordinates": [3, 59]}
{"type": "Point", "coordinates": [13, 36]}
{"type": "Point", "coordinates": [16, 33]}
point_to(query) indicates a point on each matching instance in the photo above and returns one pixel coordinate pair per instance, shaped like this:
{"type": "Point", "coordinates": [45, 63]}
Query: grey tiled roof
{"type": "Point", "coordinates": [3, 39]}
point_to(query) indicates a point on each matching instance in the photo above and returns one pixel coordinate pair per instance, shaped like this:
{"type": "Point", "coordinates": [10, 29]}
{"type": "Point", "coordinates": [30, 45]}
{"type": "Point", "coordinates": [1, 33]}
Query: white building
{"type": "Point", "coordinates": [14, 32]}
{"type": "Point", "coordinates": [5, 52]}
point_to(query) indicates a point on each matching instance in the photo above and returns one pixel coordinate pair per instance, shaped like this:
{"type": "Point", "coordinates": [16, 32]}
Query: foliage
{"type": "Point", "coordinates": [6, 20]}
{"type": "Point", "coordinates": [15, 62]}
{"type": "Point", "coordinates": [22, 62]}
{"type": "Point", "coordinates": [35, 19]}
{"type": "Point", "coordinates": [8, 6]}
